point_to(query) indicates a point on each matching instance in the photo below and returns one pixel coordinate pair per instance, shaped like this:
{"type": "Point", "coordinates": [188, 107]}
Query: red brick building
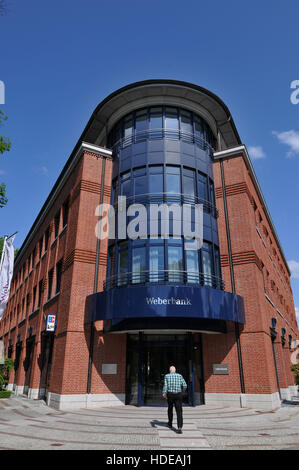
{"type": "Point", "coordinates": [127, 309]}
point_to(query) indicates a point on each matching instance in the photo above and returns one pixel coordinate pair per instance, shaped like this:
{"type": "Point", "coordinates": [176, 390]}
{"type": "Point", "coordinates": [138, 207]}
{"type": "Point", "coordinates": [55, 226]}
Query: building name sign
{"type": "Point", "coordinates": [169, 301]}
{"type": "Point", "coordinates": [165, 301]}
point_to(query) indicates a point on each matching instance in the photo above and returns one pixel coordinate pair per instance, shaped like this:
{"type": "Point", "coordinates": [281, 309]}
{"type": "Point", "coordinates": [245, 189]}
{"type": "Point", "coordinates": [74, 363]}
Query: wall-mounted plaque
{"type": "Point", "coordinates": [220, 369]}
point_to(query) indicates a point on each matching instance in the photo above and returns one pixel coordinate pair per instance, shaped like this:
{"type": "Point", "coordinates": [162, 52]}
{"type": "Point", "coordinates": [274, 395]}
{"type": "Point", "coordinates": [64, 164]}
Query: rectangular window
{"type": "Point", "coordinates": [34, 298]}
{"type": "Point", "coordinates": [65, 213]}
{"type": "Point", "coordinates": [128, 130]}
{"type": "Point", "coordinates": [173, 184]}
{"type": "Point", "coordinates": [175, 263]}
{"type": "Point", "coordinates": [27, 304]}
{"type": "Point", "coordinates": [33, 257]}
{"type": "Point", "coordinates": [207, 263]}
{"type": "Point", "coordinates": [212, 194]}
{"type": "Point", "coordinates": [156, 263]}
{"type": "Point", "coordinates": [217, 268]}
{"type": "Point", "coordinates": [202, 187]}
{"type": "Point", "coordinates": [141, 124]}
{"type": "Point", "coordinates": [56, 224]}
{"type": "Point", "coordinates": [40, 290]}
{"type": "Point", "coordinates": [123, 263]}
{"type": "Point", "coordinates": [47, 235]}
{"type": "Point", "coordinates": [192, 266]}
{"type": "Point", "coordinates": [138, 264]}
{"type": "Point", "coordinates": [171, 119]}
{"type": "Point", "coordinates": [189, 185]}
{"type": "Point", "coordinates": [186, 123]}
{"type": "Point", "coordinates": [140, 184]}
{"type": "Point", "coordinates": [50, 283]}
{"type": "Point", "coordinates": [110, 267]}
{"type": "Point", "coordinates": [40, 248]}
{"type": "Point", "coordinates": [156, 123]}
{"type": "Point", "coordinates": [58, 276]}
{"type": "Point", "coordinates": [156, 185]}
{"type": "Point", "coordinates": [198, 128]}
{"type": "Point", "coordinates": [125, 184]}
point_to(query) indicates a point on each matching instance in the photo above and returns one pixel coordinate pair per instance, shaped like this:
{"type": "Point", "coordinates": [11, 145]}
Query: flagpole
{"type": "Point", "coordinates": [3, 249]}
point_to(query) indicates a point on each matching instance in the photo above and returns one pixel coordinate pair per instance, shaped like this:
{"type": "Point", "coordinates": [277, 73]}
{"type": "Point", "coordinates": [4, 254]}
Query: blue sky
{"type": "Point", "coordinates": [59, 59]}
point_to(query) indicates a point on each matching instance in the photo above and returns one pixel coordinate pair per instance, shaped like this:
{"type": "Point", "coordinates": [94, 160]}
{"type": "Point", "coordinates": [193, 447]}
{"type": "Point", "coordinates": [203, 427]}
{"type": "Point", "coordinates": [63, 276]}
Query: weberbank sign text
{"type": "Point", "coordinates": [171, 301]}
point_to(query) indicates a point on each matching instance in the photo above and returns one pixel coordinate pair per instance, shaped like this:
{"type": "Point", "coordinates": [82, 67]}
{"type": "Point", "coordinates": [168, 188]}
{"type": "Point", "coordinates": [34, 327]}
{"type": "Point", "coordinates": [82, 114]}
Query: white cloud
{"type": "Point", "coordinates": [41, 170]}
{"type": "Point", "coordinates": [294, 267]}
{"type": "Point", "coordinates": [290, 138]}
{"type": "Point", "coordinates": [256, 153]}
{"type": "Point", "coordinates": [44, 170]}
{"type": "Point", "coordinates": [297, 314]}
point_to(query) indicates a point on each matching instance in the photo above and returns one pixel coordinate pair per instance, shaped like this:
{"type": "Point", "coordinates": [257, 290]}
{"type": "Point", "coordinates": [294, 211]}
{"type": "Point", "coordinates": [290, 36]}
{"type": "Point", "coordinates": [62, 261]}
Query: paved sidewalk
{"type": "Point", "coordinates": [30, 424]}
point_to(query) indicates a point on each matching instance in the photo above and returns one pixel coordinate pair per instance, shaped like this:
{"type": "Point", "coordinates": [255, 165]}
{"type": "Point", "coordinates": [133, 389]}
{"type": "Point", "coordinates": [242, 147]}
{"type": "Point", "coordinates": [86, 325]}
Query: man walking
{"type": "Point", "coordinates": [172, 390]}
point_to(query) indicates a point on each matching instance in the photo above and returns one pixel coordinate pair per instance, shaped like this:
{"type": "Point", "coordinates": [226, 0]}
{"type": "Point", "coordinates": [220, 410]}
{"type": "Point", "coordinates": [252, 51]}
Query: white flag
{"type": "Point", "coordinates": [6, 272]}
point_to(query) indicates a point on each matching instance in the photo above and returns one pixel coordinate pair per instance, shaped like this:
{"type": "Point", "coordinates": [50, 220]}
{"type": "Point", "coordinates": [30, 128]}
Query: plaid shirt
{"type": "Point", "coordinates": [173, 383]}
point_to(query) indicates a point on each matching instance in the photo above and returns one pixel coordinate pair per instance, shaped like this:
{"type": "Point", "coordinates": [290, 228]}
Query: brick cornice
{"type": "Point", "coordinates": [233, 189]}
{"type": "Point", "coordinates": [243, 257]}
{"type": "Point", "coordinates": [83, 256]}
{"type": "Point", "coordinates": [90, 187]}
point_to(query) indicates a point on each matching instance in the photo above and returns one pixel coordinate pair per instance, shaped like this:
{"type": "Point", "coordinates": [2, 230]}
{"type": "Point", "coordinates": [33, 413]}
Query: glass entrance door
{"type": "Point", "coordinates": [159, 353]}
{"type": "Point", "coordinates": [148, 360]}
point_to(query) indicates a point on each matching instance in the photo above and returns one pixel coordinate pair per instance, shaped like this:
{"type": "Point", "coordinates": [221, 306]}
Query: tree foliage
{"type": "Point", "coordinates": [5, 370]}
{"type": "Point", "coordinates": [5, 145]}
{"type": "Point", "coordinates": [1, 247]}
{"type": "Point", "coordinates": [295, 370]}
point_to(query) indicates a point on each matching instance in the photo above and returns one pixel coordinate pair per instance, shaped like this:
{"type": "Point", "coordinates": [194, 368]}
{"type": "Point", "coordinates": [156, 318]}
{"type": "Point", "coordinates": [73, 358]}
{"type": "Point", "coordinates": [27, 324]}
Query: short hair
{"type": "Point", "coordinates": [172, 369]}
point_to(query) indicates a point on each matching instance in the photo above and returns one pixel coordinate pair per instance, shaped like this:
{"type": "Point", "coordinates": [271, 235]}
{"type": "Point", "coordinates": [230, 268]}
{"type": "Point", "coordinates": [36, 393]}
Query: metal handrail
{"type": "Point", "coordinates": [162, 133]}
{"type": "Point", "coordinates": [164, 277]}
{"type": "Point", "coordinates": [154, 198]}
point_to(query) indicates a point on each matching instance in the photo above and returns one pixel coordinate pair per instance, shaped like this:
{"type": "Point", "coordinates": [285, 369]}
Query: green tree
{"type": "Point", "coordinates": [5, 370]}
{"type": "Point", "coordinates": [295, 370]}
{"type": "Point", "coordinates": [5, 145]}
{"type": "Point", "coordinates": [1, 247]}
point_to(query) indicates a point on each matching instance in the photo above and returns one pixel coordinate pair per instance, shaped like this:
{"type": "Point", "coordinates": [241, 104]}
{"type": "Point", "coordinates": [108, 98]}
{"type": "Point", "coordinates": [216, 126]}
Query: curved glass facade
{"type": "Point", "coordinates": [158, 122]}
{"type": "Point", "coordinates": [162, 155]}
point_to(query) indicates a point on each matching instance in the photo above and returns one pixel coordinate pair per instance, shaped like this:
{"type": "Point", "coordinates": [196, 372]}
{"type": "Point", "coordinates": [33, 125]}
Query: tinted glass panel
{"type": "Point", "coordinates": [140, 184]}
{"type": "Point", "coordinates": [186, 122]}
{"type": "Point", "coordinates": [173, 184]}
{"type": "Point", "coordinates": [156, 118]}
{"type": "Point", "coordinates": [198, 127]}
{"type": "Point", "coordinates": [156, 263]}
{"type": "Point", "coordinates": [126, 188]}
{"type": "Point", "coordinates": [202, 187]}
{"type": "Point", "coordinates": [207, 264]}
{"type": "Point", "coordinates": [138, 265]}
{"type": "Point", "coordinates": [192, 266]}
{"type": "Point", "coordinates": [175, 263]}
{"type": "Point", "coordinates": [171, 118]}
{"type": "Point", "coordinates": [189, 186]}
{"type": "Point", "coordinates": [123, 263]}
{"type": "Point", "coordinates": [128, 129]}
{"type": "Point", "coordinates": [156, 183]}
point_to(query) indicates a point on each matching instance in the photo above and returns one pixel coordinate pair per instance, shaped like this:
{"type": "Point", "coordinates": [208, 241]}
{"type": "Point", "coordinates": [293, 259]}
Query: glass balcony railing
{"type": "Point", "coordinates": [164, 277]}
{"type": "Point", "coordinates": [162, 133]}
{"type": "Point", "coordinates": [170, 198]}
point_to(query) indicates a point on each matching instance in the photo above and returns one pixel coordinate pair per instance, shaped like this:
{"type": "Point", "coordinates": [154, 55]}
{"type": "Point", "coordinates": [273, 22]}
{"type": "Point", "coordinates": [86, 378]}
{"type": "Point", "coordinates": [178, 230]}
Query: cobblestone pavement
{"type": "Point", "coordinates": [30, 424]}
